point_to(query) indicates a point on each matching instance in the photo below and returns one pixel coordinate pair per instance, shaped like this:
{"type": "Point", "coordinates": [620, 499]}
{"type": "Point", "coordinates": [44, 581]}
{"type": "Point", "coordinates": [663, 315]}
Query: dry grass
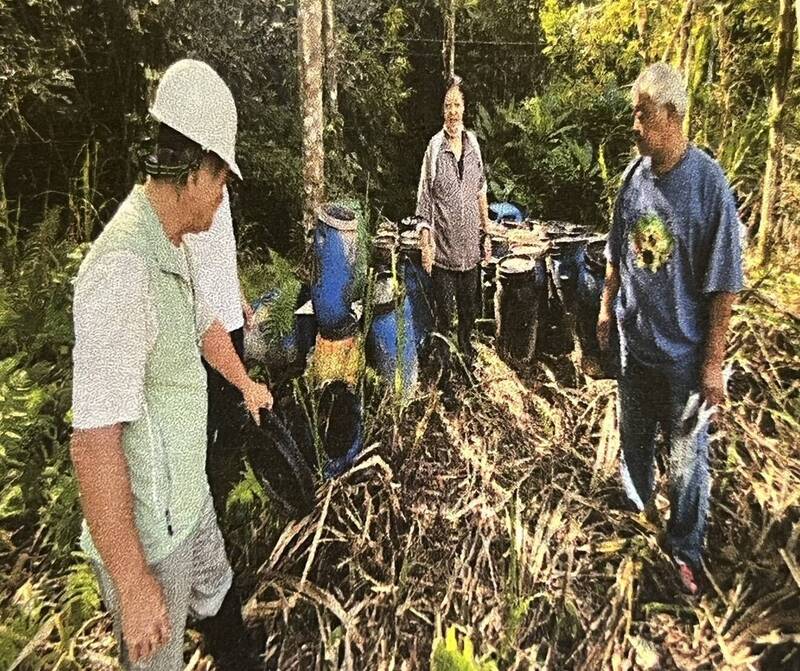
{"type": "Point", "coordinates": [504, 518]}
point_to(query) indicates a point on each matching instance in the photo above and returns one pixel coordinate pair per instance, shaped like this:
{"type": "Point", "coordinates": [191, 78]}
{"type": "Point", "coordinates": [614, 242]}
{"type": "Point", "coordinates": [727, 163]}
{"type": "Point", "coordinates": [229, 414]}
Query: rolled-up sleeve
{"type": "Point", "coordinates": [113, 329]}
{"type": "Point", "coordinates": [204, 316]}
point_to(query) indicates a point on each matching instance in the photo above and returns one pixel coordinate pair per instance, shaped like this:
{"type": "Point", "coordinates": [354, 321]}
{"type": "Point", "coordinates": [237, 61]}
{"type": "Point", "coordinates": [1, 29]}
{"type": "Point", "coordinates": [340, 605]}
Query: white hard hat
{"type": "Point", "coordinates": [192, 99]}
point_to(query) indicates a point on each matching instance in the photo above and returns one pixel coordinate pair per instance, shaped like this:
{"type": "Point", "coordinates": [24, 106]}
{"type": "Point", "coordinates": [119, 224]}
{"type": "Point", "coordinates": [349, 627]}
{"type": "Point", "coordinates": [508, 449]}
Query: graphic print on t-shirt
{"type": "Point", "coordinates": [651, 242]}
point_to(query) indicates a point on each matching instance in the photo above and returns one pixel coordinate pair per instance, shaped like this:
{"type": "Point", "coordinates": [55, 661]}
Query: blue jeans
{"type": "Point", "coordinates": [653, 396]}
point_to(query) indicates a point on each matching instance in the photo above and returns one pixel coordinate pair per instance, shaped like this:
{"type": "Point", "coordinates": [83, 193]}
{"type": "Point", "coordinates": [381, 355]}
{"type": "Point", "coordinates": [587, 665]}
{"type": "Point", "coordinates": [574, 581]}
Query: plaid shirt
{"type": "Point", "coordinates": [448, 200]}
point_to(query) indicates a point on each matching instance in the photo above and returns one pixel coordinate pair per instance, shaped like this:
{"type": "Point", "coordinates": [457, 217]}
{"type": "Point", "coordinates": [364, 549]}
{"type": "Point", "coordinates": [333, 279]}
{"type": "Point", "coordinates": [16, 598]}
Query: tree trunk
{"type": "Point", "coordinates": [641, 27]}
{"type": "Point", "coordinates": [681, 34]}
{"type": "Point", "coordinates": [787, 23]}
{"type": "Point", "coordinates": [687, 63]}
{"type": "Point", "coordinates": [309, 48]}
{"type": "Point", "coordinates": [697, 58]}
{"type": "Point", "coordinates": [686, 41]}
{"type": "Point", "coordinates": [725, 83]}
{"type": "Point", "coordinates": [449, 41]}
{"type": "Point", "coordinates": [797, 21]}
{"type": "Point", "coordinates": [329, 40]}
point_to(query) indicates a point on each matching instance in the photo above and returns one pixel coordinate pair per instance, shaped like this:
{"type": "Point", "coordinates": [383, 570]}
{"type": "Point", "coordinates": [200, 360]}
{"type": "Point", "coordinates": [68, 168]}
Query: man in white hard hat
{"type": "Point", "coordinates": [139, 390]}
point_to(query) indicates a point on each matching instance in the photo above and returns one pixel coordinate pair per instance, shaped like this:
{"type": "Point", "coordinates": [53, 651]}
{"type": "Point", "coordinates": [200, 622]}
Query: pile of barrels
{"type": "Point", "coordinates": [387, 321]}
{"type": "Point", "coordinates": [542, 290]}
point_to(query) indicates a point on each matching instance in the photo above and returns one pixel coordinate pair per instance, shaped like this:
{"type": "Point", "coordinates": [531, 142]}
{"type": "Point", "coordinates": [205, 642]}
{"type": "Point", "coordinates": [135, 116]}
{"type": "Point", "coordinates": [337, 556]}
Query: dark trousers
{"type": "Point", "coordinates": [460, 288]}
{"type": "Point", "coordinates": [225, 417]}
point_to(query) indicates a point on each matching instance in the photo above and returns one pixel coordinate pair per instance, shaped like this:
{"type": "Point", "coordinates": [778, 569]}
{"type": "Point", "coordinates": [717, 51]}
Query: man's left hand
{"type": "Point", "coordinates": [712, 385]}
{"type": "Point", "coordinates": [487, 248]}
{"type": "Point", "coordinates": [257, 396]}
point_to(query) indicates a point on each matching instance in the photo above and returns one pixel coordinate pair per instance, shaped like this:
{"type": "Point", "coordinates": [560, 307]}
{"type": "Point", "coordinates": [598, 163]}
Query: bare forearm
{"type": "Point", "coordinates": [483, 208]}
{"type": "Point", "coordinates": [610, 289]}
{"type": "Point", "coordinates": [107, 501]}
{"type": "Point", "coordinates": [719, 317]}
{"type": "Point", "coordinates": [218, 350]}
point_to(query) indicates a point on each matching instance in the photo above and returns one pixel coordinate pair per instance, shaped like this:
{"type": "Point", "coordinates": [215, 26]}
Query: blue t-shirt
{"type": "Point", "coordinates": [676, 239]}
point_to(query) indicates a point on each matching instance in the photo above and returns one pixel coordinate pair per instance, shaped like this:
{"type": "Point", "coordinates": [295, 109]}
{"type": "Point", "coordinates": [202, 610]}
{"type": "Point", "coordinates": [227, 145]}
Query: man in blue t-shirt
{"type": "Point", "coordinates": [674, 258]}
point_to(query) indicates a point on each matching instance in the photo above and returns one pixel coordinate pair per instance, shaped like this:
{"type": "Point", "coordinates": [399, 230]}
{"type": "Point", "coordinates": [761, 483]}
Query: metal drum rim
{"type": "Point", "coordinates": [333, 222]}
{"type": "Point", "coordinates": [507, 272]}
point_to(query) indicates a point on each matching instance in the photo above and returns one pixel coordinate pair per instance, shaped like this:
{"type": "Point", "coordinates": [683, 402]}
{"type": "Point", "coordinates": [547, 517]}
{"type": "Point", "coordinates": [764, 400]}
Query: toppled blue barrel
{"type": "Point", "coordinates": [522, 283]}
{"type": "Point", "coordinates": [340, 416]}
{"type": "Point", "coordinates": [417, 286]}
{"type": "Point", "coordinates": [278, 464]}
{"type": "Point", "coordinates": [335, 258]}
{"type": "Point", "coordinates": [507, 211]}
{"type": "Point", "coordinates": [392, 342]}
{"type": "Point", "coordinates": [591, 279]}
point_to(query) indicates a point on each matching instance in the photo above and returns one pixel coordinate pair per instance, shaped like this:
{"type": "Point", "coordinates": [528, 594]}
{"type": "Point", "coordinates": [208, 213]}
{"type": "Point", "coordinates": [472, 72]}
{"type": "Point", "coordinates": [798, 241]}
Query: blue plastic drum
{"type": "Point", "coordinates": [391, 341]}
{"type": "Point", "coordinates": [334, 283]}
{"type": "Point", "coordinates": [417, 286]}
{"type": "Point", "coordinates": [506, 211]}
{"type": "Point", "coordinates": [591, 279]}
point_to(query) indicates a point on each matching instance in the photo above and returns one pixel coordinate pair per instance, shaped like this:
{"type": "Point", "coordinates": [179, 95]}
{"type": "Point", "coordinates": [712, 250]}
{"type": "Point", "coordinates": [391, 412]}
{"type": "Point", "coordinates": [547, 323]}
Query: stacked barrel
{"type": "Point", "coordinates": [336, 360]}
{"type": "Point", "coordinates": [391, 341]}
{"type": "Point", "coordinates": [591, 279]}
{"type": "Point", "coordinates": [401, 310]}
{"type": "Point", "coordinates": [333, 289]}
{"type": "Point", "coordinates": [514, 284]}
{"type": "Point", "coordinates": [415, 281]}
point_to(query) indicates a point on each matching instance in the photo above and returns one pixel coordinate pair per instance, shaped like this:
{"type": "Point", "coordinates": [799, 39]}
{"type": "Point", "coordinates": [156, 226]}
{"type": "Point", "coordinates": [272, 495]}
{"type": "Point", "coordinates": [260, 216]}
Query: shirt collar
{"type": "Point", "coordinates": [466, 146]}
{"type": "Point", "coordinates": [170, 258]}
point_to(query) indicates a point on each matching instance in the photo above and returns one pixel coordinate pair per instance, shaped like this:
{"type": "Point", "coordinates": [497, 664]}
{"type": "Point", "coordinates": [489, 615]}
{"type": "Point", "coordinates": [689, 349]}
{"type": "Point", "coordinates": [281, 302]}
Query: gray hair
{"type": "Point", "coordinates": [664, 84]}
